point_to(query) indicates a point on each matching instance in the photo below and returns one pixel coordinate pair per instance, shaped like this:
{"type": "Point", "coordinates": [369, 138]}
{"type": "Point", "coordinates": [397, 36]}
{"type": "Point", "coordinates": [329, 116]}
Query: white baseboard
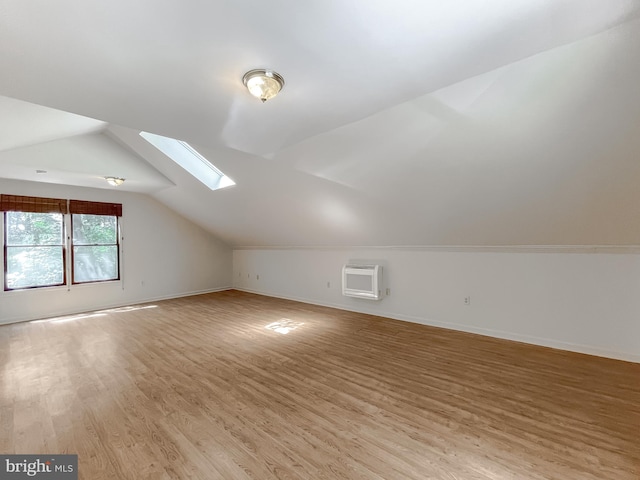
{"type": "Point", "coordinates": [542, 342]}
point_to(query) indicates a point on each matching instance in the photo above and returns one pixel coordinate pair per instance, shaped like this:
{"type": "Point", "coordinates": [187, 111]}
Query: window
{"type": "Point", "coordinates": [35, 246]}
{"type": "Point", "coordinates": [191, 160]}
{"type": "Point", "coordinates": [95, 248]}
{"type": "Point", "coordinates": [95, 240]}
{"type": "Point", "coordinates": [34, 250]}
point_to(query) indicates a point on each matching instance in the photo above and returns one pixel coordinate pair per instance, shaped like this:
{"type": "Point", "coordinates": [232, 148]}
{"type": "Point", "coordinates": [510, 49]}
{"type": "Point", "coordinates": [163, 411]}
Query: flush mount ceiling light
{"type": "Point", "coordinates": [114, 181]}
{"type": "Point", "coordinates": [263, 84]}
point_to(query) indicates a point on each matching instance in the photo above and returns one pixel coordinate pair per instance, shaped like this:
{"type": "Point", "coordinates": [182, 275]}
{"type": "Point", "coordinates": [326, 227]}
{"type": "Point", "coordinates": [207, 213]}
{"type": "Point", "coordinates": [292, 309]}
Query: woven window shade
{"type": "Point", "coordinates": [19, 203]}
{"type": "Point", "coordinates": [95, 208]}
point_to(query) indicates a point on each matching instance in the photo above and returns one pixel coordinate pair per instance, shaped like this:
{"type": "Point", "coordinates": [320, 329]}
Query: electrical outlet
{"type": "Point", "coordinates": [467, 300]}
{"type": "Point", "coordinates": [328, 284]}
{"type": "Point", "coordinates": [388, 292]}
{"type": "Point", "coordinates": [257, 277]}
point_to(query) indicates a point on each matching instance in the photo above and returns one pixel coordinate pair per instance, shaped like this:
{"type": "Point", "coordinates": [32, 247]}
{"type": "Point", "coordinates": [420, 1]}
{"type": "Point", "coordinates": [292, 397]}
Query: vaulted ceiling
{"type": "Point", "coordinates": [504, 122]}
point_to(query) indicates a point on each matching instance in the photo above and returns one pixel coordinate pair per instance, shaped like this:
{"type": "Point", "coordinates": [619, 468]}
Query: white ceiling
{"type": "Point", "coordinates": [401, 123]}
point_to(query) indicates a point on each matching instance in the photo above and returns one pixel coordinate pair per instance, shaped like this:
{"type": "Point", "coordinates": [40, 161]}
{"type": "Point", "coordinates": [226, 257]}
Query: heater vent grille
{"type": "Point", "coordinates": [362, 281]}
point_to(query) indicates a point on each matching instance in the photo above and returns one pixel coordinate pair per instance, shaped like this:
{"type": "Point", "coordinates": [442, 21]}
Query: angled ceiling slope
{"type": "Point", "coordinates": [42, 144]}
{"type": "Point", "coordinates": [416, 123]}
{"type": "Point", "coordinates": [174, 68]}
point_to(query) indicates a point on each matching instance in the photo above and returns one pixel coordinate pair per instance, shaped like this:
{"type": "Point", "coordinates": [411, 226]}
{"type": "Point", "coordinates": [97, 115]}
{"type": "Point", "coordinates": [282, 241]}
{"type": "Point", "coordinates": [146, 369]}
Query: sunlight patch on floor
{"type": "Point", "coordinates": [99, 313]}
{"type": "Point", "coordinates": [130, 308]}
{"type": "Point", "coordinates": [70, 318]}
{"type": "Point", "coordinates": [284, 326]}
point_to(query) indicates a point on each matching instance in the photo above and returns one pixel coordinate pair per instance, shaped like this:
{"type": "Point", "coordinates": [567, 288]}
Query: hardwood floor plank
{"type": "Point", "coordinates": [211, 387]}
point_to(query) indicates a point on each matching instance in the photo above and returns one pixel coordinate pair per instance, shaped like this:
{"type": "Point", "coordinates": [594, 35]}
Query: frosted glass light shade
{"type": "Point", "coordinates": [114, 181]}
{"type": "Point", "coordinates": [263, 84]}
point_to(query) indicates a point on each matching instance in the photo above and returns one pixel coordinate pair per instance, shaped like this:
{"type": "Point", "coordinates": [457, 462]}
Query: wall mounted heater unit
{"type": "Point", "coordinates": [362, 281]}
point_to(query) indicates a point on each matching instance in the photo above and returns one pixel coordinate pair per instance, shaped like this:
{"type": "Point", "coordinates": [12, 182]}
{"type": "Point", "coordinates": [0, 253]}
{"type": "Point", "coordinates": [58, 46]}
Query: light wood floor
{"type": "Point", "coordinates": [198, 388]}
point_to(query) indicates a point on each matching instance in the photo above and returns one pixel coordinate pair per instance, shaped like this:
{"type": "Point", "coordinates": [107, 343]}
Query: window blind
{"type": "Point", "coordinates": [95, 208]}
{"type": "Point", "coordinates": [19, 203]}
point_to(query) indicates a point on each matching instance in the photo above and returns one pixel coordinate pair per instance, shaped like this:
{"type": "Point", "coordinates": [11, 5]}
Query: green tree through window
{"type": "Point", "coordinates": [95, 248]}
{"type": "Point", "coordinates": [39, 231]}
{"type": "Point", "coordinates": [34, 250]}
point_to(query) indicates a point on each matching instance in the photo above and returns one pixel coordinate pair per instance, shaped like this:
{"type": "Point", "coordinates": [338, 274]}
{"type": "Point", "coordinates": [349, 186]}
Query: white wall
{"type": "Point", "coordinates": [584, 302]}
{"type": "Point", "coordinates": [164, 256]}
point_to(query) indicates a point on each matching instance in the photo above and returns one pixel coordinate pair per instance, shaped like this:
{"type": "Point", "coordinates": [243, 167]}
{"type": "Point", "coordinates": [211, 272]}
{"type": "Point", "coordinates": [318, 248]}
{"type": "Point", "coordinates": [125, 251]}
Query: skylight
{"type": "Point", "coordinates": [188, 158]}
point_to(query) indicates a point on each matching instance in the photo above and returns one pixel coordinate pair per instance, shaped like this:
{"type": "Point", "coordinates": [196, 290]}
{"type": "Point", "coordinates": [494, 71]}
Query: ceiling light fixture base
{"type": "Point", "coordinates": [263, 83]}
{"type": "Point", "coordinates": [114, 181]}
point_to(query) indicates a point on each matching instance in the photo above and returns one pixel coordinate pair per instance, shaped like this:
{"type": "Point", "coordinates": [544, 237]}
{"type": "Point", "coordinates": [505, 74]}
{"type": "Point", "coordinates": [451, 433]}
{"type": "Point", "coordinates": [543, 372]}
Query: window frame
{"type": "Point", "coordinates": [72, 244]}
{"type": "Point", "coordinates": [6, 247]}
{"type": "Point", "coordinates": [67, 208]}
